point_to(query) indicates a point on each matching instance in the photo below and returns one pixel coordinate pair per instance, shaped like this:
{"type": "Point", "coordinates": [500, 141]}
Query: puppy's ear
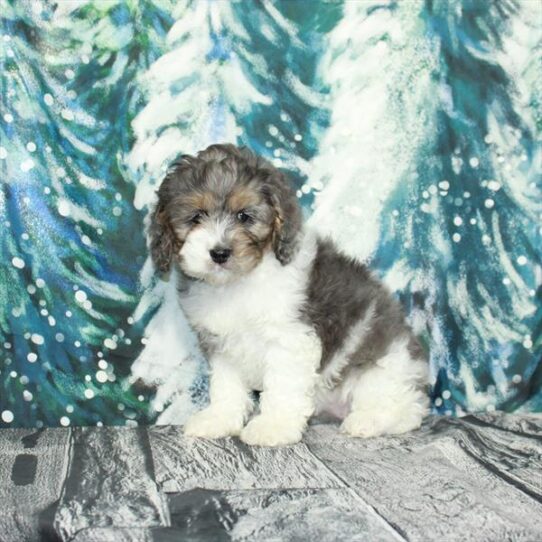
{"type": "Point", "coordinates": [288, 218]}
{"type": "Point", "coordinates": [162, 241]}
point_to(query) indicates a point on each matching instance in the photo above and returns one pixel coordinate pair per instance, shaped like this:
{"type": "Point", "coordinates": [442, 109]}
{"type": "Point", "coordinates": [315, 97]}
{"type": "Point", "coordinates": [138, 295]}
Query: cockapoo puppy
{"type": "Point", "coordinates": [279, 310]}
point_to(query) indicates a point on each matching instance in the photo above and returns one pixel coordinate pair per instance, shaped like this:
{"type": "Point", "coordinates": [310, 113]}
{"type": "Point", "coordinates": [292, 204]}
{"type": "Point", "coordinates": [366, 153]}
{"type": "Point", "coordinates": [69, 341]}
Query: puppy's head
{"type": "Point", "coordinates": [219, 212]}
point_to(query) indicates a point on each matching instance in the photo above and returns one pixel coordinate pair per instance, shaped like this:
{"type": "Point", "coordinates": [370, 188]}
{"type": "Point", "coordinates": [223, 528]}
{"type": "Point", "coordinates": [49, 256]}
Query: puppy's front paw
{"type": "Point", "coordinates": [270, 431]}
{"type": "Point", "coordinates": [209, 423]}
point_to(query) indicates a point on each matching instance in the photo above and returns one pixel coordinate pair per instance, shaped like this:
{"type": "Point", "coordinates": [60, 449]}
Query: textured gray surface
{"type": "Point", "coordinates": [182, 464]}
{"type": "Point", "coordinates": [33, 466]}
{"type": "Point", "coordinates": [478, 478]}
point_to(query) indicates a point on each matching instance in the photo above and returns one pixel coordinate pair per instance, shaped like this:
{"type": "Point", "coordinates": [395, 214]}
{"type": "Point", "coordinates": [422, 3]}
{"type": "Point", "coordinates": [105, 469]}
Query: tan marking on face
{"type": "Point", "coordinates": [204, 201]}
{"type": "Point", "coordinates": [243, 197]}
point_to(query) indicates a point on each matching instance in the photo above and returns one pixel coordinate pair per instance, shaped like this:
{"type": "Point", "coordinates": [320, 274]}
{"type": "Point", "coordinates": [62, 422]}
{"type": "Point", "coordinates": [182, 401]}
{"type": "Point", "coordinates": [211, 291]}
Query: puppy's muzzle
{"type": "Point", "coordinates": [220, 255]}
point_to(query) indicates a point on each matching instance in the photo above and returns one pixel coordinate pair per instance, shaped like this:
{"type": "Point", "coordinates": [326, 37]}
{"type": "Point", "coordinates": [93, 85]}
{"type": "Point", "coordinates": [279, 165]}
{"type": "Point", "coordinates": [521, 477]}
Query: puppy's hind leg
{"type": "Point", "coordinates": [389, 397]}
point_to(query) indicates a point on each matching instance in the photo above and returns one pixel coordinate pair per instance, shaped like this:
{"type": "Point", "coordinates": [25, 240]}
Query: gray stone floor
{"type": "Point", "coordinates": [478, 478]}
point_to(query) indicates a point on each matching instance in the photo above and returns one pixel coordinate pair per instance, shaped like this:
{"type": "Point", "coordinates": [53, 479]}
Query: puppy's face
{"type": "Point", "coordinates": [219, 213]}
{"type": "Point", "coordinates": [224, 228]}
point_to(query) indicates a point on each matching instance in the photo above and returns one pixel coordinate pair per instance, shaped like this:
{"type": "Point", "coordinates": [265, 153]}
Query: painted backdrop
{"type": "Point", "coordinates": [412, 130]}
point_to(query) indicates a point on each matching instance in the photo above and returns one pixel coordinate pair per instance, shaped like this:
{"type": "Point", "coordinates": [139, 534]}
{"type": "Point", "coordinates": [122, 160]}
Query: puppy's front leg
{"type": "Point", "coordinates": [285, 403]}
{"type": "Point", "coordinates": [230, 403]}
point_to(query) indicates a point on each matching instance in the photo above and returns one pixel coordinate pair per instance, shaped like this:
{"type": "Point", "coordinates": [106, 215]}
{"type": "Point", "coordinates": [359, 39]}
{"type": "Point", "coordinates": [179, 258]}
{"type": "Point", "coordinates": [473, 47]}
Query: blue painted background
{"type": "Point", "coordinates": [412, 131]}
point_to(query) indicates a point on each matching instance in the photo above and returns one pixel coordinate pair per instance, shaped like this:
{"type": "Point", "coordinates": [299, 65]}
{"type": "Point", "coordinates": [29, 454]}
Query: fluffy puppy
{"type": "Point", "coordinates": [279, 310]}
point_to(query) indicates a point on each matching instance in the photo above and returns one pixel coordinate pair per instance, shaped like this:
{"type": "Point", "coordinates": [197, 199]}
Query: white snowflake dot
{"type": "Point", "coordinates": [89, 394]}
{"type": "Point", "coordinates": [64, 421]}
{"type": "Point", "coordinates": [80, 296]}
{"type": "Point", "coordinates": [110, 343]}
{"type": "Point", "coordinates": [101, 376]}
{"type": "Point", "coordinates": [522, 260]}
{"type": "Point", "coordinates": [32, 357]}
{"type": "Point", "coordinates": [489, 203]}
{"type": "Point", "coordinates": [27, 165]}
{"type": "Point", "coordinates": [63, 208]}
{"type": "Point", "coordinates": [446, 394]}
{"type": "Point", "coordinates": [7, 416]}
{"type": "Point", "coordinates": [17, 262]}
{"type": "Point", "coordinates": [36, 338]}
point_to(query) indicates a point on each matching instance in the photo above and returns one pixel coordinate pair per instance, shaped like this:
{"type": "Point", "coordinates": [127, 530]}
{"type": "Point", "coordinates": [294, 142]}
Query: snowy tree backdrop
{"type": "Point", "coordinates": [412, 131]}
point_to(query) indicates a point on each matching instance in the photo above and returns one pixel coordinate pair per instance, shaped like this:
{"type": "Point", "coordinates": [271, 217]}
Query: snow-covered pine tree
{"type": "Point", "coordinates": [463, 227]}
{"type": "Point", "coordinates": [280, 51]}
{"type": "Point", "coordinates": [65, 294]}
{"type": "Point", "coordinates": [378, 65]}
{"type": "Point", "coordinates": [254, 88]}
{"type": "Point", "coordinates": [110, 43]}
{"type": "Point", "coordinates": [41, 326]}
{"type": "Point", "coordinates": [521, 57]}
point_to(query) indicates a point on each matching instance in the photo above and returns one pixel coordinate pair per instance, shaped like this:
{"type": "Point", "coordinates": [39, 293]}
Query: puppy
{"type": "Point", "coordinates": [279, 310]}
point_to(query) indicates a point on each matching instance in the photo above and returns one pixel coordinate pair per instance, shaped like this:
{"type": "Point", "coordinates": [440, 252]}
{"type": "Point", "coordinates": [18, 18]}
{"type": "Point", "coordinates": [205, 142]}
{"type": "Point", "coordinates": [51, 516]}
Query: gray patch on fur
{"type": "Point", "coordinates": [339, 294]}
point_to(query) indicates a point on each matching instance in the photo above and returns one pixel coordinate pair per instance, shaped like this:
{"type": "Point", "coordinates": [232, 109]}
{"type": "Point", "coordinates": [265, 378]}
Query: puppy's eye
{"type": "Point", "coordinates": [196, 217]}
{"type": "Point", "coordinates": [243, 217]}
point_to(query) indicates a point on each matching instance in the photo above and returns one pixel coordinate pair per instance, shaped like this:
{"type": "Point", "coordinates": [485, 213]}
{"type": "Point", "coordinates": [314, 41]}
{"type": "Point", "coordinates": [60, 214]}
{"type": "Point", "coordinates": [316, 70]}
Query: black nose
{"type": "Point", "coordinates": [220, 255]}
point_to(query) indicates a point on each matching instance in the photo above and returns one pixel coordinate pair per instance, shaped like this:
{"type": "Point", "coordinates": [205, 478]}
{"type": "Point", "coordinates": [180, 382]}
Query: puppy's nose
{"type": "Point", "coordinates": [220, 255]}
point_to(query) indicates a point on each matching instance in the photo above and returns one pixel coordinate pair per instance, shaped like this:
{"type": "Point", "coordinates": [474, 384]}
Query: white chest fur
{"type": "Point", "coordinates": [271, 295]}
{"type": "Point", "coordinates": [253, 314]}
